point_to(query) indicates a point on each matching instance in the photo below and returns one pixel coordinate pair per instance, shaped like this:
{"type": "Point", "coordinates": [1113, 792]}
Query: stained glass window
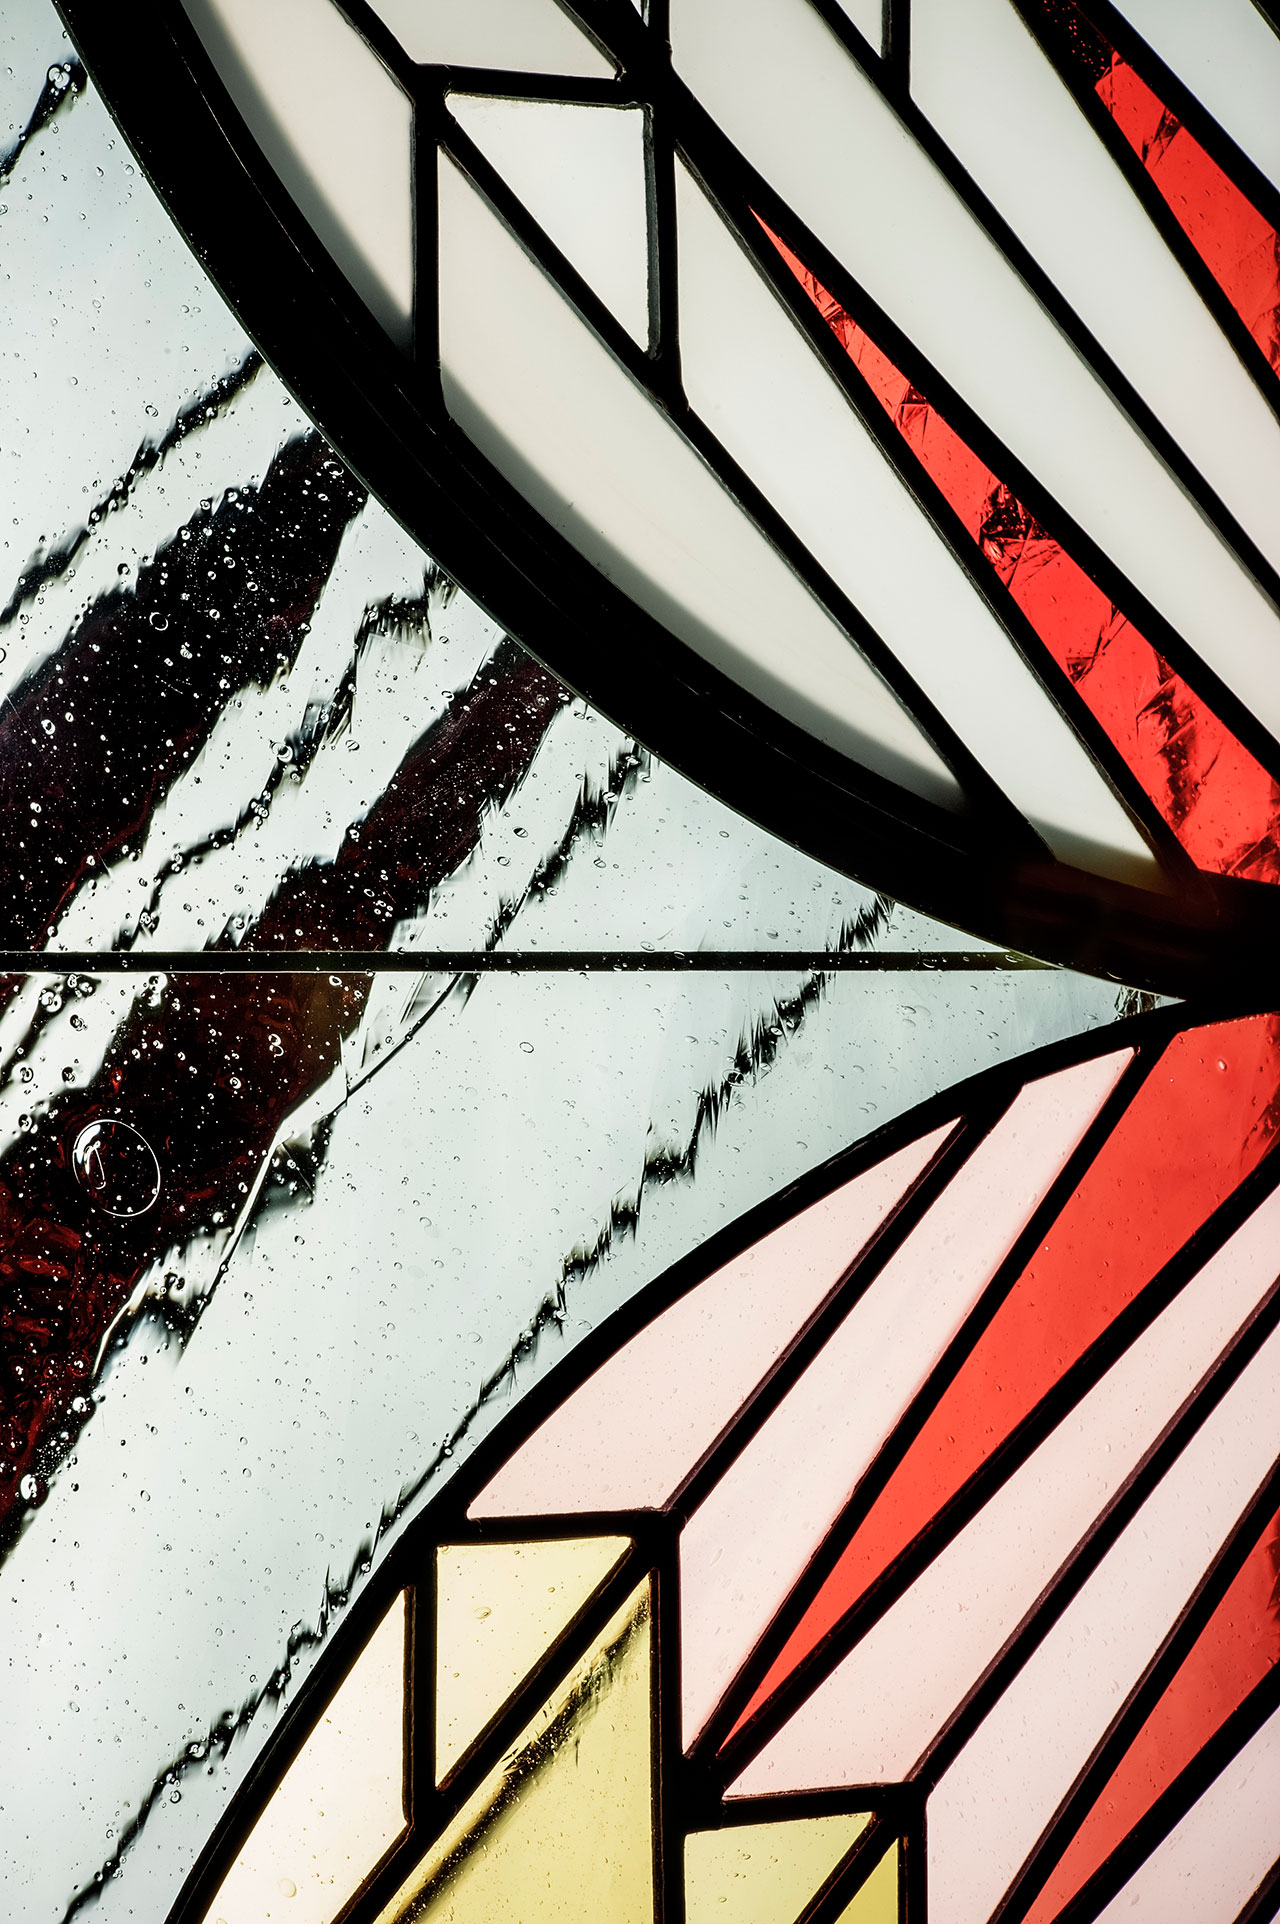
{"type": "Point", "coordinates": [638, 1069]}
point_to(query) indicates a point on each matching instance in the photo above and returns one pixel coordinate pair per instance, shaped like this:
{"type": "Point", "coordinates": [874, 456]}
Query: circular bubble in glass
{"type": "Point", "coordinates": [117, 1166]}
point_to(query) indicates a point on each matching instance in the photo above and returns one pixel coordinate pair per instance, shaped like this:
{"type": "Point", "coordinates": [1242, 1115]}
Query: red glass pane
{"type": "Point", "coordinates": [1217, 799]}
{"type": "Point", "coordinates": [1199, 1124]}
{"type": "Point", "coordinates": [1235, 1650]}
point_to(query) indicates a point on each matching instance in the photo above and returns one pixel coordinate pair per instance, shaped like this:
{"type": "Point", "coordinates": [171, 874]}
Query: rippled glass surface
{"type": "Point", "coordinates": [315, 1152]}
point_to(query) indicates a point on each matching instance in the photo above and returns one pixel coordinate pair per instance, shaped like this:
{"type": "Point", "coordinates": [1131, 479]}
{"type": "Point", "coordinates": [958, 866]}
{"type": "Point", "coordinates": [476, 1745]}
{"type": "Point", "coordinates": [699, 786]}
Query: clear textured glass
{"type": "Point", "coordinates": [336, 127]}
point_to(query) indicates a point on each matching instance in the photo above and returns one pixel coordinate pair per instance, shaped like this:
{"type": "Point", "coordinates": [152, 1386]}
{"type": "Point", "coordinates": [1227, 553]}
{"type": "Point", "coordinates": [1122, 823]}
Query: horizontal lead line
{"type": "Point", "coordinates": [509, 962]}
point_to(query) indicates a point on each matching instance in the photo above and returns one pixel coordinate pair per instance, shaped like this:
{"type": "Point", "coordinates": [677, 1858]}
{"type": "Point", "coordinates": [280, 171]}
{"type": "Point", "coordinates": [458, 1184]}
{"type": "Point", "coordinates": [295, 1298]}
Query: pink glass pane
{"type": "Point", "coordinates": [743, 1549]}
{"type": "Point", "coordinates": [635, 1429]}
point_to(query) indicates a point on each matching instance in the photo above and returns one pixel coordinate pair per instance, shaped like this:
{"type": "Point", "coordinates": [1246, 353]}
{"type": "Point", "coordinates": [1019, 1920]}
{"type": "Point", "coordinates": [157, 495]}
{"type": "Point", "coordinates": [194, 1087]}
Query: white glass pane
{"type": "Point", "coordinates": [742, 1550]}
{"type": "Point", "coordinates": [555, 413]}
{"type": "Point", "coordinates": [995, 1800]}
{"type": "Point", "coordinates": [761, 388]}
{"type": "Point", "coordinates": [1224, 52]}
{"type": "Point", "coordinates": [991, 93]}
{"type": "Point", "coordinates": [868, 17]}
{"type": "Point", "coordinates": [807, 117]}
{"type": "Point", "coordinates": [518, 36]}
{"type": "Point", "coordinates": [873, 1718]}
{"type": "Point", "coordinates": [580, 172]}
{"type": "Point", "coordinates": [335, 126]}
{"type": "Point", "coordinates": [1211, 1864]}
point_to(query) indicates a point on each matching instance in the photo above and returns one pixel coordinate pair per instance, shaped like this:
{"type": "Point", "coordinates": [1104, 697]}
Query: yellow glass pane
{"type": "Point", "coordinates": [560, 1832]}
{"type": "Point", "coordinates": [877, 1901]}
{"type": "Point", "coordinates": [339, 1806]}
{"type": "Point", "coordinates": [498, 1606]}
{"type": "Point", "coordinates": [763, 1873]}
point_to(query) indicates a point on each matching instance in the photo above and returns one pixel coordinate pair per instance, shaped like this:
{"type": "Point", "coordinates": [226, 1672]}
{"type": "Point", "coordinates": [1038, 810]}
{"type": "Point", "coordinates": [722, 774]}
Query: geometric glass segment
{"type": "Point", "coordinates": [1105, 1568]}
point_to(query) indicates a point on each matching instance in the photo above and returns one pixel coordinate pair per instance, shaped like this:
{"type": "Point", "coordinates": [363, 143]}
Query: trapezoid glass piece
{"type": "Point", "coordinates": [562, 1827]}
{"type": "Point", "coordinates": [1236, 1649]}
{"type": "Point", "coordinates": [764, 1873]}
{"type": "Point", "coordinates": [1216, 797]}
{"type": "Point", "coordinates": [747, 1543]}
{"type": "Point", "coordinates": [340, 1805]}
{"type": "Point", "coordinates": [988, 88]}
{"type": "Point", "coordinates": [994, 1800]}
{"type": "Point", "coordinates": [830, 144]}
{"type": "Point", "coordinates": [1209, 1866]}
{"type": "Point", "coordinates": [633, 1431]}
{"type": "Point", "coordinates": [1228, 58]}
{"type": "Point", "coordinates": [499, 1608]}
{"type": "Point", "coordinates": [548, 405]}
{"type": "Point", "coordinates": [1197, 1126]}
{"type": "Point", "coordinates": [876, 1715]}
{"type": "Point", "coordinates": [1235, 240]}
{"type": "Point", "coordinates": [767, 397]}
{"type": "Point", "coordinates": [335, 126]}
{"type": "Point", "coordinates": [879, 1899]}
{"type": "Point", "coordinates": [523, 36]}
{"type": "Point", "coordinates": [580, 171]}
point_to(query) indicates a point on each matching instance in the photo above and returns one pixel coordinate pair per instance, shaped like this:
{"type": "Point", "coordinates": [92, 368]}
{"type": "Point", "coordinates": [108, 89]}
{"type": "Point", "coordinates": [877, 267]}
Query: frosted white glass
{"type": "Point", "coordinates": [336, 127]}
{"type": "Point", "coordinates": [817, 128]}
{"type": "Point", "coordinates": [518, 36]}
{"type": "Point", "coordinates": [1224, 53]}
{"type": "Point", "coordinates": [873, 1718]}
{"type": "Point", "coordinates": [580, 172]}
{"type": "Point", "coordinates": [868, 17]}
{"type": "Point", "coordinates": [759, 385]}
{"type": "Point", "coordinates": [979, 75]}
{"type": "Point", "coordinates": [562, 420]}
{"type": "Point", "coordinates": [743, 1549]}
{"type": "Point", "coordinates": [1210, 1865]}
{"type": "Point", "coordinates": [642, 1421]}
{"type": "Point", "coordinates": [996, 1798]}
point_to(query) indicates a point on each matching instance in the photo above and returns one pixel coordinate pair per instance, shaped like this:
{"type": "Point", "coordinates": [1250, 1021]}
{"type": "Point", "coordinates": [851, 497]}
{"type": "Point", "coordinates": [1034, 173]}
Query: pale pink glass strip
{"type": "Point", "coordinates": [1210, 1864]}
{"type": "Point", "coordinates": [994, 1801]}
{"type": "Point", "coordinates": [873, 1718]}
{"type": "Point", "coordinates": [629, 1436]}
{"type": "Point", "coordinates": [742, 1551]}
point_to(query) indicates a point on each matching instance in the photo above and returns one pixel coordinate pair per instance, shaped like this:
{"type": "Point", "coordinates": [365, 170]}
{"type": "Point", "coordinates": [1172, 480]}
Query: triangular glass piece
{"type": "Point", "coordinates": [339, 1806]}
{"type": "Point", "coordinates": [877, 1900]}
{"type": "Point", "coordinates": [580, 171]}
{"type": "Point", "coordinates": [763, 1873]}
{"type": "Point", "coordinates": [868, 17]}
{"type": "Point", "coordinates": [515, 36]}
{"type": "Point", "coordinates": [499, 1606]}
{"type": "Point", "coordinates": [563, 1826]}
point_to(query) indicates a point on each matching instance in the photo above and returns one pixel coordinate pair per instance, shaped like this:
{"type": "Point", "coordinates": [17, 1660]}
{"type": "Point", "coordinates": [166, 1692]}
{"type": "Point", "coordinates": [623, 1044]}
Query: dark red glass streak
{"type": "Point", "coordinates": [208, 1075]}
{"type": "Point", "coordinates": [1202, 1120]}
{"type": "Point", "coordinates": [1217, 799]}
{"type": "Point", "coordinates": [1235, 1650]}
{"type": "Point", "coordinates": [1237, 244]}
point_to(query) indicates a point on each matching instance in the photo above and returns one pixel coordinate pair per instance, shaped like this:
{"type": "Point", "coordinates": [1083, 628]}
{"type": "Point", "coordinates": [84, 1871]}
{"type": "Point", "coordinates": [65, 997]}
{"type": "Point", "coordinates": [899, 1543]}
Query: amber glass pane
{"type": "Point", "coordinates": [763, 1873]}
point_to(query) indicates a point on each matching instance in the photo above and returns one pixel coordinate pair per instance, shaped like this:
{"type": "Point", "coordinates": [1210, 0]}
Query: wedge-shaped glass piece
{"type": "Point", "coordinates": [1211, 1864]}
{"type": "Point", "coordinates": [340, 1805]}
{"type": "Point", "coordinates": [558, 416]}
{"type": "Point", "coordinates": [580, 171]}
{"type": "Point", "coordinates": [1229, 58]}
{"type": "Point", "coordinates": [868, 17]}
{"type": "Point", "coordinates": [821, 133]}
{"type": "Point", "coordinates": [761, 388]}
{"type": "Point", "coordinates": [879, 1710]}
{"type": "Point", "coordinates": [635, 1429]}
{"type": "Point", "coordinates": [744, 1547]}
{"type": "Point", "coordinates": [993, 1802]}
{"type": "Point", "coordinates": [336, 127]}
{"type": "Point", "coordinates": [877, 1901]}
{"type": "Point", "coordinates": [763, 1873]}
{"type": "Point", "coordinates": [996, 100]}
{"type": "Point", "coordinates": [563, 1827]}
{"type": "Point", "coordinates": [499, 1606]}
{"type": "Point", "coordinates": [520, 36]}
